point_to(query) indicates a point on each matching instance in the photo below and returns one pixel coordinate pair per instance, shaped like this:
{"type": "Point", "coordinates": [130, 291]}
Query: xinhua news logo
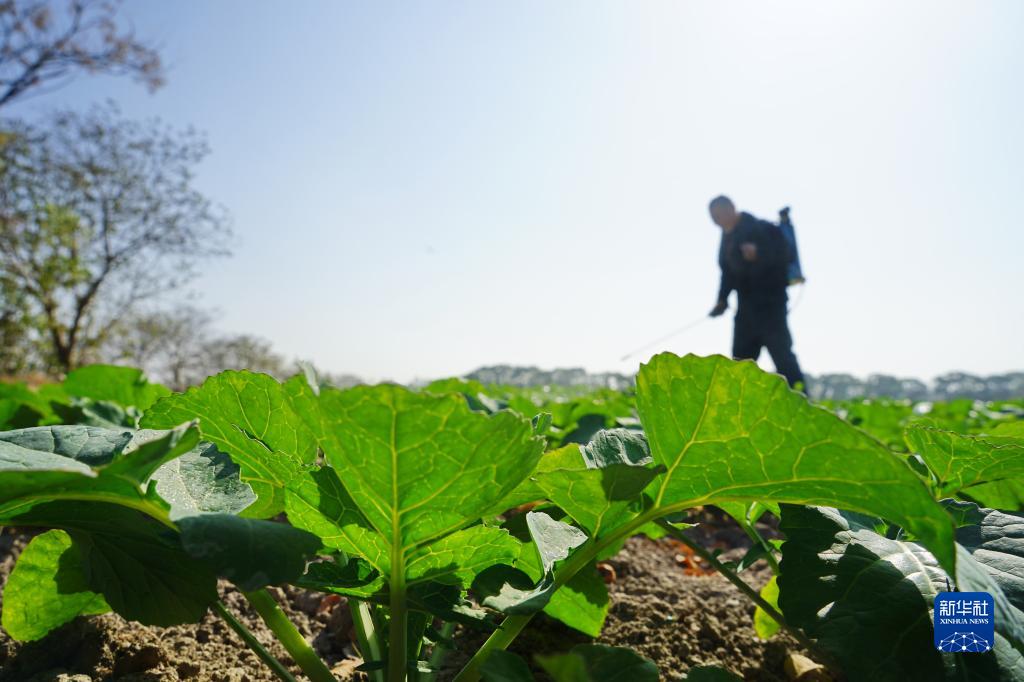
{"type": "Point", "coordinates": [964, 622]}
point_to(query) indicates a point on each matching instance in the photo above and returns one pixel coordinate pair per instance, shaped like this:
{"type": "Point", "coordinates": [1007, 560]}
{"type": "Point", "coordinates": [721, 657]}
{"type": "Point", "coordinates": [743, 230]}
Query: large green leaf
{"type": "Point", "coordinates": [727, 431]}
{"type": "Point", "coordinates": [421, 466]}
{"type": "Point", "coordinates": [867, 598]}
{"type": "Point", "coordinates": [457, 558]}
{"type": "Point", "coordinates": [864, 597]}
{"type": "Point", "coordinates": [251, 553]}
{"type": "Point", "coordinates": [409, 476]}
{"type": "Point", "coordinates": [249, 416]}
{"type": "Point", "coordinates": [960, 462]}
{"type": "Point", "coordinates": [47, 588]}
{"type": "Point", "coordinates": [30, 476]}
{"type": "Point", "coordinates": [318, 502]}
{"type": "Point", "coordinates": [133, 560]}
{"type": "Point", "coordinates": [997, 543]}
{"type": "Point", "coordinates": [125, 386]}
{"type": "Point", "coordinates": [528, 490]}
{"type": "Point", "coordinates": [94, 446]}
{"type": "Point", "coordinates": [202, 481]}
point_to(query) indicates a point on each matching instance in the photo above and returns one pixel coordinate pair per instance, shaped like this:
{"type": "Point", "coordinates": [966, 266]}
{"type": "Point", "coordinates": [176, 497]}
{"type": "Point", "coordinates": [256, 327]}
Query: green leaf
{"type": "Point", "coordinates": [1006, 494]}
{"type": "Point", "coordinates": [996, 542]}
{"type": "Point", "coordinates": [134, 561]}
{"type": "Point", "coordinates": [1014, 429]}
{"type": "Point", "coordinates": [202, 481]}
{"type": "Point", "coordinates": [104, 413]}
{"type": "Point", "coordinates": [867, 599]}
{"type": "Point", "coordinates": [601, 489]}
{"type": "Point", "coordinates": [317, 501]}
{"type": "Point", "coordinates": [960, 462]}
{"type": "Point", "coordinates": [125, 386]}
{"type": "Point", "coordinates": [358, 579]}
{"type": "Point", "coordinates": [727, 431]}
{"type": "Point", "coordinates": [355, 578]}
{"type": "Point", "coordinates": [250, 417]}
{"type": "Point", "coordinates": [21, 407]}
{"type": "Point", "coordinates": [457, 558]}
{"type": "Point", "coordinates": [410, 475]}
{"type": "Point", "coordinates": [541, 423]}
{"type": "Point", "coordinates": [504, 591]}
{"type": "Point", "coordinates": [47, 588]}
{"type": "Point", "coordinates": [566, 457]}
{"type": "Point", "coordinates": [31, 476]}
{"type": "Point", "coordinates": [421, 466]}
{"type": "Point", "coordinates": [599, 663]}
{"type": "Point", "coordinates": [504, 666]}
{"type": "Point", "coordinates": [764, 625]}
{"type": "Point", "coordinates": [616, 446]}
{"type": "Point", "coordinates": [863, 597]}
{"type": "Point", "coordinates": [582, 603]}
{"type": "Point", "coordinates": [250, 553]}
{"type": "Point", "coordinates": [90, 445]}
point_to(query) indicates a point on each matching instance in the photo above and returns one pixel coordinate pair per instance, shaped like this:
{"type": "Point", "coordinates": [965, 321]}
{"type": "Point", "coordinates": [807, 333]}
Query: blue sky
{"type": "Point", "coordinates": [420, 188]}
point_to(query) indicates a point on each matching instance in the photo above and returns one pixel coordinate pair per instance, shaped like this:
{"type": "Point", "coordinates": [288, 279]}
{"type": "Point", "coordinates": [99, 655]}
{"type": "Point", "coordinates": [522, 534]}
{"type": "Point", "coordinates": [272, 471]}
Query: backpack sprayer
{"type": "Point", "coordinates": [794, 275]}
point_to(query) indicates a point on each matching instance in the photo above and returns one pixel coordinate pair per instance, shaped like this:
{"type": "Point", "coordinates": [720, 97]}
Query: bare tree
{"type": "Point", "coordinates": [42, 49]}
{"type": "Point", "coordinates": [180, 348]}
{"type": "Point", "coordinates": [166, 344]}
{"type": "Point", "coordinates": [98, 213]}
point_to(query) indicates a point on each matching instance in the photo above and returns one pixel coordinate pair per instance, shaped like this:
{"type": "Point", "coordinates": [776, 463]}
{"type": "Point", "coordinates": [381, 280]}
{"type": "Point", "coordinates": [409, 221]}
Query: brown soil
{"type": "Point", "coordinates": [676, 619]}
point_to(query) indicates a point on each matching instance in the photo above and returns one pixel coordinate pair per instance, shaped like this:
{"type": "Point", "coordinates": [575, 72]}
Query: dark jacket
{"type": "Point", "coordinates": [761, 282]}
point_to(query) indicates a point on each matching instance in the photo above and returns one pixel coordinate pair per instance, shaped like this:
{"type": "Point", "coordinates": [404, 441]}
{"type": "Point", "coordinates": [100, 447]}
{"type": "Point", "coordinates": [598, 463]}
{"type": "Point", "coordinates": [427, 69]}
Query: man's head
{"type": "Point", "coordinates": [723, 212]}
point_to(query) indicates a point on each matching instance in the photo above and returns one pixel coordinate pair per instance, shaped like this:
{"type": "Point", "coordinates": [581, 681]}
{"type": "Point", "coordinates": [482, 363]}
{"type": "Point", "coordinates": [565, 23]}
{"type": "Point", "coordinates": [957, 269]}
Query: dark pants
{"type": "Point", "coordinates": [763, 325]}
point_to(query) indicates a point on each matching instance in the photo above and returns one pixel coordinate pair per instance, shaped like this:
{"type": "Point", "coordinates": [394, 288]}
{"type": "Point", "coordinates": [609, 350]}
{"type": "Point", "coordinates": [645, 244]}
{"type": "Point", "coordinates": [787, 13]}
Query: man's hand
{"type": "Point", "coordinates": [749, 251]}
{"type": "Point", "coordinates": [720, 308]}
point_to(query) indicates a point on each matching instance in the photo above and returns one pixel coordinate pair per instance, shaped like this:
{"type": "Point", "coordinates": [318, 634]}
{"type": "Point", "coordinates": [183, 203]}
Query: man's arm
{"type": "Point", "coordinates": [724, 289]}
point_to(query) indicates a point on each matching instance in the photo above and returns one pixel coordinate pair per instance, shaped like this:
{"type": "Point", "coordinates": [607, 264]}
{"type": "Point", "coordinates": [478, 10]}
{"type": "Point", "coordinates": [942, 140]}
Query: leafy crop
{"type": "Point", "coordinates": [399, 500]}
{"type": "Point", "coordinates": [98, 395]}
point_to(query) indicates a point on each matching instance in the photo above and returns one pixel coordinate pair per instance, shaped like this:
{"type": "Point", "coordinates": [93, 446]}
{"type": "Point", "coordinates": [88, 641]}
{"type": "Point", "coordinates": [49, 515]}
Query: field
{"type": "Point", "coordinates": [710, 524]}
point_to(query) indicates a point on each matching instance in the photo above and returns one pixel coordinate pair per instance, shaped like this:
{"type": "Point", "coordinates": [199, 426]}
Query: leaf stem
{"type": "Point", "coordinates": [439, 652]}
{"type": "Point", "coordinates": [398, 625]}
{"type": "Point", "coordinates": [250, 640]}
{"type": "Point", "coordinates": [368, 635]}
{"type": "Point", "coordinates": [753, 534]}
{"type": "Point", "coordinates": [292, 640]}
{"type": "Point", "coordinates": [397, 630]}
{"type": "Point", "coordinates": [499, 639]}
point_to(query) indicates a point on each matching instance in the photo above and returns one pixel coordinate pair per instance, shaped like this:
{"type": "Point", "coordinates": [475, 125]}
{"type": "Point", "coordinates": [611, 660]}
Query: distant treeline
{"type": "Point", "coordinates": [823, 387]}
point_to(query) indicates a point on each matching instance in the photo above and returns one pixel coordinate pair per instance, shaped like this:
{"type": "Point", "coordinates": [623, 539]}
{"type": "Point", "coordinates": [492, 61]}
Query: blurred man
{"type": "Point", "coordinates": [755, 258]}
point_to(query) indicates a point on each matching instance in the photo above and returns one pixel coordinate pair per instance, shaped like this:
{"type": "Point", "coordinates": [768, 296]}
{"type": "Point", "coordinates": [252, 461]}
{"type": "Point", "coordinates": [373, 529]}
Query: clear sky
{"type": "Point", "coordinates": [420, 188]}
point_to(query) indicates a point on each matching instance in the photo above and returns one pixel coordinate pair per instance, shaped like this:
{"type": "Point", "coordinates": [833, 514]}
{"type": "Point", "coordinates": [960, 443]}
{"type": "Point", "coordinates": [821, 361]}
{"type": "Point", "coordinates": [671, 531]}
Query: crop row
{"type": "Point", "coordinates": [399, 500]}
